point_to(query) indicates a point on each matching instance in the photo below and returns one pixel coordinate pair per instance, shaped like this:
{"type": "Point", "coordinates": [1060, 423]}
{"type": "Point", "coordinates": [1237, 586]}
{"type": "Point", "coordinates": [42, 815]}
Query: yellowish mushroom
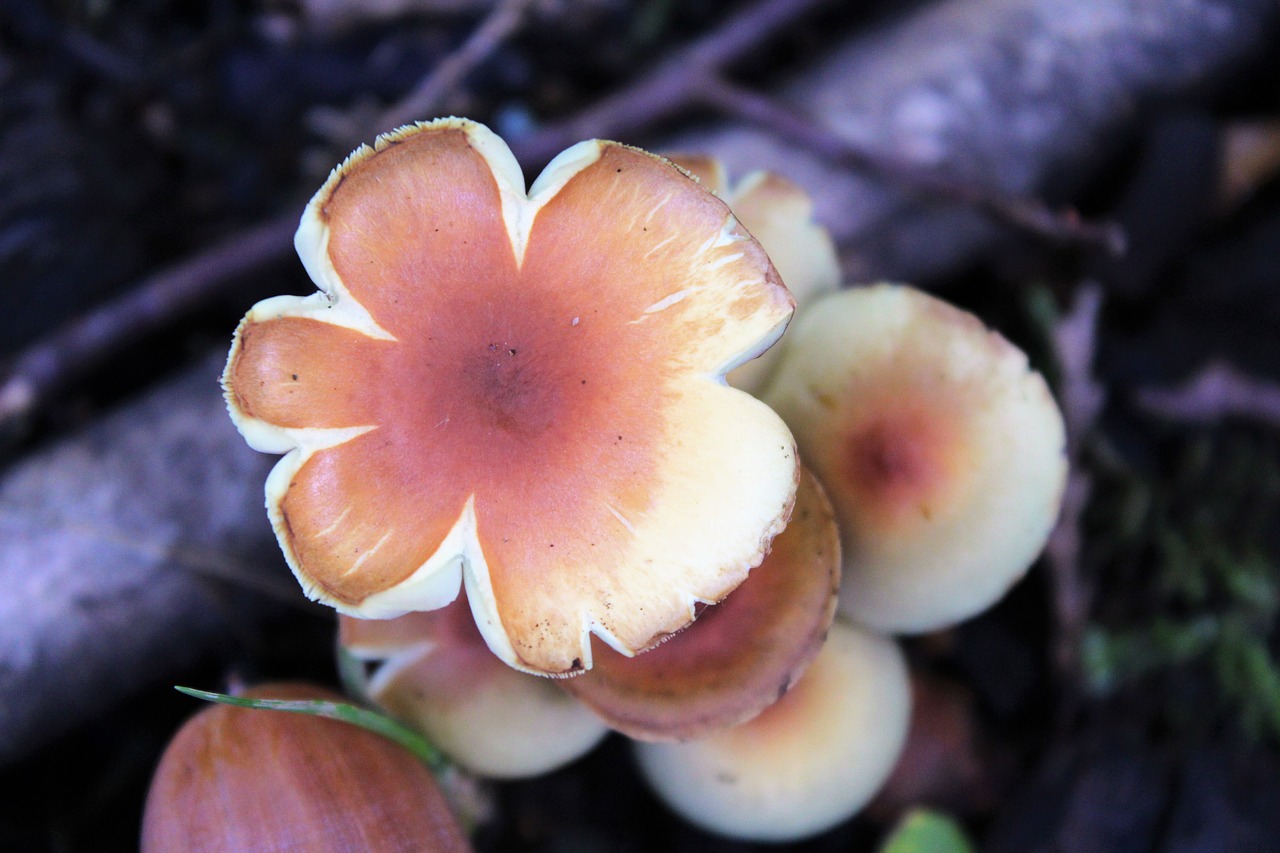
{"type": "Point", "coordinates": [810, 761]}
{"type": "Point", "coordinates": [778, 213]}
{"type": "Point", "coordinates": [434, 671]}
{"type": "Point", "coordinates": [943, 453]}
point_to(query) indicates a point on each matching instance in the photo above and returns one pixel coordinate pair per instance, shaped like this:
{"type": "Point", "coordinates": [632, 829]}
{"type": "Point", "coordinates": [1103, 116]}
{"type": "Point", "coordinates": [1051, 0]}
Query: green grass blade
{"type": "Point", "coordinates": [365, 718]}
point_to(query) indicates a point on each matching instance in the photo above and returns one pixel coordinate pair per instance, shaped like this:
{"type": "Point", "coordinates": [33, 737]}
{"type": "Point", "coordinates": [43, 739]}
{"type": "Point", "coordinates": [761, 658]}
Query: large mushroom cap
{"type": "Point", "coordinates": [942, 452]}
{"type": "Point", "coordinates": [523, 392]}
{"type": "Point", "coordinates": [435, 672]}
{"type": "Point", "coordinates": [809, 761]}
{"type": "Point", "coordinates": [741, 654]}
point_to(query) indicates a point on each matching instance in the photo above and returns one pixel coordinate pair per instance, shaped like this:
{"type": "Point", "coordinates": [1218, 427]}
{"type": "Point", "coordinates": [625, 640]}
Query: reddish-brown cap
{"type": "Point", "coordinates": [742, 654]}
{"type": "Point", "coordinates": [519, 392]}
{"type": "Point", "coordinates": [247, 779]}
{"type": "Point", "coordinates": [943, 454]}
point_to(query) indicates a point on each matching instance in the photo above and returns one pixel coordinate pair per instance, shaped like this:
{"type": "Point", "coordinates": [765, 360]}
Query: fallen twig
{"type": "Point", "coordinates": [1075, 344]}
{"type": "Point", "coordinates": [1216, 392]}
{"type": "Point", "coordinates": [670, 87]}
{"type": "Point", "coordinates": [69, 353]}
{"type": "Point", "coordinates": [681, 82]}
{"type": "Point", "coordinates": [500, 24]}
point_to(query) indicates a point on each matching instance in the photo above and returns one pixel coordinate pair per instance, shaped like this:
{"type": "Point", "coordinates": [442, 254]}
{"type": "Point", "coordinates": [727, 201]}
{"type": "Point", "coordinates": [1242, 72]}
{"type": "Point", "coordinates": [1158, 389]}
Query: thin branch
{"type": "Point", "coordinates": [1025, 213]}
{"type": "Point", "coordinates": [1075, 345]}
{"type": "Point", "coordinates": [497, 27]}
{"type": "Point", "coordinates": [1219, 391]}
{"type": "Point", "coordinates": [72, 351]}
{"type": "Point", "coordinates": [670, 87]}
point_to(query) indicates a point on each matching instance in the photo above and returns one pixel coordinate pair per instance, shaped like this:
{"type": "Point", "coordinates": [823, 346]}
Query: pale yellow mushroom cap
{"type": "Point", "coordinates": [810, 761]}
{"type": "Point", "coordinates": [943, 453]}
{"type": "Point", "coordinates": [435, 672]}
{"type": "Point", "coordinates": [779, 214]}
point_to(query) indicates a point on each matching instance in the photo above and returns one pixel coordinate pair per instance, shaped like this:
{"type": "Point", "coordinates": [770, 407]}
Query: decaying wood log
{"type": "Point", "coordinates": [110, 542]}
{"type": "Point", "coordinates": [1019, 96]}
{"type": "Point", "coordinates": [126, 552]}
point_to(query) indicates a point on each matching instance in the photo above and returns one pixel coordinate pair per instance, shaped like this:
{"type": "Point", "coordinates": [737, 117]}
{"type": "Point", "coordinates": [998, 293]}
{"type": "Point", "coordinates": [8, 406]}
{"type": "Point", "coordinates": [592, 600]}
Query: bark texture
{"type": "Point", "coordinates": [125, 554]}
{"type": "Point", "coordinates": [1020, 96]}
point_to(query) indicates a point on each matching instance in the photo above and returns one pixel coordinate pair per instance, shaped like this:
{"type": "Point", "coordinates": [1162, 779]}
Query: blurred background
{"type": "Point", "coordinates": [1098, 181]}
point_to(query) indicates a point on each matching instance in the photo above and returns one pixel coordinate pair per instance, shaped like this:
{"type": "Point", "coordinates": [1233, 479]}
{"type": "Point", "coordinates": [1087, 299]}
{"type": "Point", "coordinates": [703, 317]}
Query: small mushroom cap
{"type": "Point", "coordinates": [519, 391]}
{"type": "Point", "coordinates": [943, 453]}
{"type": "Point", "coordinates": [808, 762]}
{"type": "Point", "coordinates": [778, 213]}
{"type": "Point", "coordinates": [740, 655]}
{"type": "Point", "coordinates": [443, 680]}
{"type": "Point", "coordinates": [248, 779]}
{"type": "Point", "coordinates": [379, 639]}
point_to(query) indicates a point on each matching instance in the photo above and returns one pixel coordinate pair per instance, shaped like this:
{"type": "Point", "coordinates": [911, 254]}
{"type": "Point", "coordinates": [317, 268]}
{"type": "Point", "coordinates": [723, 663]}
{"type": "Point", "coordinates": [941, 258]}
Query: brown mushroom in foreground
{"type": "Point", "coordinates": [242, 779]}
{"type": "Point", "coordinates": [810, 761]}
{"type": "Point", "coordinates": [740, 655]}
{"type": "Point", "coordinates": [435, 673]}
{"type": "Point", "coordinates": [522, 392]}
{"type": "Point", "coordinates": [943, 453]}
{"type": "Point", "coordinates": [779, 214]}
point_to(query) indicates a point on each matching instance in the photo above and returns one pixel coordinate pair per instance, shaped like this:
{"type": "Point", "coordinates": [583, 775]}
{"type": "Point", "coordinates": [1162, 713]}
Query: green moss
{"type": "Point", "coordinates": [1189, 578]}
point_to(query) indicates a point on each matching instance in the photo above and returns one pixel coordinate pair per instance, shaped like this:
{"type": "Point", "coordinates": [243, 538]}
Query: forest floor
{"type": "Point", "coordinates": [1124, 697]}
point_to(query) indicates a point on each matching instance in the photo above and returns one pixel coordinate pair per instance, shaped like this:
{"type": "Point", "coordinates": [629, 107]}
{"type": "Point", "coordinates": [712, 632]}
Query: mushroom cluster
{"type": "Point", "coordinates": [511, 410]}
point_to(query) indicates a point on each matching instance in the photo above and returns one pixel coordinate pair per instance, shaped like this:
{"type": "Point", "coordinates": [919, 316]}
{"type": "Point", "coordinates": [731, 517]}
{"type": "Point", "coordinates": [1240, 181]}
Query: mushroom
{"type": "Point", "coordinates": [779, 214]}
{"type": "Point", "coordinates": [740, 655]}
{"type": "Point", "coordinates": [434, 671]}
{"type": "Point", "coordinates": [241, 779]}
{"type": "Point", "coordinates": [806, 763]}
{"type": "Point", "coordinates": [522, 393]}
{"type": "Point", "coordinates": [943, 454]}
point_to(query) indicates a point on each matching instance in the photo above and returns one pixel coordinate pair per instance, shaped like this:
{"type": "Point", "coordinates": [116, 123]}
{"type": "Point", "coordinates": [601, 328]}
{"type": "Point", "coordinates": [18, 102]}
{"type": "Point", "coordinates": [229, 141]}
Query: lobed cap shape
{"type": "Point", "coordinates": [522, 393]}
{"type": "Point", "coordinates": [435, 672]}
{"type": "Point", "coordinates": [779, 214]}
{"type": "Point", "coordinates": [943, 453]}
{"type": "Point", "coordinates": [808, 762]}
{"type": "Point", "coordinates": [739, 656]}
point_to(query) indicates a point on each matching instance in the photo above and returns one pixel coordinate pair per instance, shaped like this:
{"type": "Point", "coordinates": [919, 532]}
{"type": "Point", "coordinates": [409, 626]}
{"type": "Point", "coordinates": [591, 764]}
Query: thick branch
{"type": "Point", "coordinates": [118, 546]}
{"type": "Point", "coordinates": [1027, 213]}
{"type": "Point", "coordinates": [1014, 98]}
